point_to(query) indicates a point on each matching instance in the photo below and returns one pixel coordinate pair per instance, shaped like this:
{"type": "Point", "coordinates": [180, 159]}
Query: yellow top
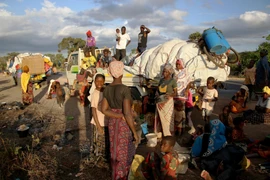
{"type": "Point", "coordinates": [25, 77]}
{"type": "Point", "coordinates": [90, 61]}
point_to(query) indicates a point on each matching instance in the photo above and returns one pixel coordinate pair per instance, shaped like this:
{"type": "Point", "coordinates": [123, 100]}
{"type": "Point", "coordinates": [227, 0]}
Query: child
{"type": "Point", "coordinates": [227, 120]}
{"type": "Point", "coordinates": [239, 100]}
{"type": "Point", "coordinates": [225, 117]}
{"type": "Point", "coordinates": [210, 96]}
{"type": "Point", "coordinates": [249, 73]}
{"type": "Point", "coordinates": [90, 43]}
{"type": "Point", "coordinates": [189, 106]}
{"type": "Point", "coordinates": [238, 136]}
{"type": "Point", "coordinates": [89, 60]}
{"type": "Point", "coordinates": [179, 117]}
{"type": "Point", "coordinates": [99, 121]}
{"type": "Point", "coordinates": [60, 94]}
{"type": "Point", "coordinates": [199, 131]}
{"type": "Point", "coordinates": [117, 35]}
{"type": "Point", "coordinates": [165, 167]}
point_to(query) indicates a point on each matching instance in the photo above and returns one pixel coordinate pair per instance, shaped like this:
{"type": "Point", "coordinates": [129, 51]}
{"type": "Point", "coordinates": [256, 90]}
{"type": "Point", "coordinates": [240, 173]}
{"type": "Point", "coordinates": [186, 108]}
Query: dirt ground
{"type": "Point", "coordinates": [59, 136]}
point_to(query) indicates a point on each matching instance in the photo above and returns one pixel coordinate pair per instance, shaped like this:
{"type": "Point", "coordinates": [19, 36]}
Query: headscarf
{"type": "Point", "coordinates": [180, 61]}
{"type": "Point", "coordinates": [266, 90]}
{"type": "Point", "coordinates": [25, 77]}
{"type": "Point", "coordinates": [25, 69]}
{"type": "Point", "coordinates": [116, 68]}
{"type": "Point", "coordinates": [217, 139]}
{"type": "Point", "coordinates": [245, 88]}
{"type": "Point", "coordinates": [169, 68]}
{"type": "Point", "coordinates": [89, 33]}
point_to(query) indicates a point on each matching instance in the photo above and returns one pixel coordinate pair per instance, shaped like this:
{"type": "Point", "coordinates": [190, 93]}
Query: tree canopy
{"type": "Point", "coordinates": [195, 36]}
{"type": "Point", "coordinates": [71, 44]}
{"type": "Point", "coordinates": [57, 59]}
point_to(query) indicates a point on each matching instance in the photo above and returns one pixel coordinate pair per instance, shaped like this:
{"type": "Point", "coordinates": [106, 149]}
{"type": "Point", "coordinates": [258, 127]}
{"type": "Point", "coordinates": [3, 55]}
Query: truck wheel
{"type": "Point", "coordinates": [218, 62]}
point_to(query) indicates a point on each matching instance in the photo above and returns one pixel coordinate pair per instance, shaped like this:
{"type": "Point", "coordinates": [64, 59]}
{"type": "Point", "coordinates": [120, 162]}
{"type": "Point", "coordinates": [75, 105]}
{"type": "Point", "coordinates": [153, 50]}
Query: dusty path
{"type": "Point", "coordinates": [80, 123]}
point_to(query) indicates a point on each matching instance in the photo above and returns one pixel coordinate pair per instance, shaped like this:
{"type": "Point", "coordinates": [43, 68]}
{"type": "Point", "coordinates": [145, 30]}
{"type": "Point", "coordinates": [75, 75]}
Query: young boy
{"type": "Point", "coordinates": [210, 96]}
{"type": "Point", "coordinates": [169, 161]}
{"type": "Point", "coordinates": [165, 167]}
{"type": "Point", "coordinates": [179, 117]}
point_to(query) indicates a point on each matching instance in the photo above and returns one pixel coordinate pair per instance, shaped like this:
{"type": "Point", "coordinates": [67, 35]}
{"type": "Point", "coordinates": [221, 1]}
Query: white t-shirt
{"type": "Point", "coordinates": [96, 103]}
{"type": "Point", "coordinates": [265, 104]}
{"type": "Point", "coordinates": [209, 94]}
{"type": "Point", "coordinates": [124, 38]}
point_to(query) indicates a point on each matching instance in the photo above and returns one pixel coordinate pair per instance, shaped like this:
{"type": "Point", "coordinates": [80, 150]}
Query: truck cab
{"type": "Point", "coordinates": [73, 65]}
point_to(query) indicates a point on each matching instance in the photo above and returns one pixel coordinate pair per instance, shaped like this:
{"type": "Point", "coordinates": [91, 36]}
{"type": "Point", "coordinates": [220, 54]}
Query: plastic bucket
{"type": "Point", "coordinates": [213, 41]}
{"type": "Point", "coordinates": [151, 139]}
{"type": "Point", "coordinates": [224, 41]}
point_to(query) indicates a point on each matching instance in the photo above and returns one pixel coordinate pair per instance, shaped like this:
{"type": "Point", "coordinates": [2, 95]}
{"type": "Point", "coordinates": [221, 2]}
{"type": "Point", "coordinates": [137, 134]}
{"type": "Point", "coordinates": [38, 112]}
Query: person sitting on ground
{"type": "Point", "coordinates": [227, 120]}
{"type": "Point", "coordinates": [239, 100]}
{"type": "Point", "coordinates": [261, 114]}
{"type": "Point", "coordinates": [179, 117]}
{"type": "Point", "coordinates": [238, 135]}
{"type": "Point", "coordinates": [214, 155]}
{"type": "Point", "coordinates": [199, 131]}
{"type": "Point", "coordinates": [165, 167]}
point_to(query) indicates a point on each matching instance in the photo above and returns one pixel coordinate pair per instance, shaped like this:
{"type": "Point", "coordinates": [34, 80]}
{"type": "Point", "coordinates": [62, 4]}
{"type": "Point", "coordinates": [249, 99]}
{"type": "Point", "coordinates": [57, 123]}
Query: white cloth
{"type": "Point", "coordinates": [209, 94]}
{"type": "Point", "coordinates": [124, 38]}
{"type": "Point", "coordinates": [265, 103]}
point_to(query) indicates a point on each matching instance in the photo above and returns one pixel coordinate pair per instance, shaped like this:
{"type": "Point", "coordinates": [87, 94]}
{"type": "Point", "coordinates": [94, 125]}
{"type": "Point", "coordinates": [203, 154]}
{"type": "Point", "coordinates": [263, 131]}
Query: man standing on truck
{"type": "Point", "coordinates": [124, 41]}
{"type": "Point", "coordinates": [142, 39]}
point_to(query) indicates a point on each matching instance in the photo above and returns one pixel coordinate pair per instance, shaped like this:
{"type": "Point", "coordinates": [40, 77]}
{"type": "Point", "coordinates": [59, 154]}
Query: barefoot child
{"type": "Point", "coordinates": [210, 96]}
{"type": "Point", "coordinates": [99, 121]}
{"type": "Point", "coordinates": [189, 106]}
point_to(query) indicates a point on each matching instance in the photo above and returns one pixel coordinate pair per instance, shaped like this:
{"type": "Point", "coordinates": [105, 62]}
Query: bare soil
{"type": "Point", "coordinates": [69, 129]}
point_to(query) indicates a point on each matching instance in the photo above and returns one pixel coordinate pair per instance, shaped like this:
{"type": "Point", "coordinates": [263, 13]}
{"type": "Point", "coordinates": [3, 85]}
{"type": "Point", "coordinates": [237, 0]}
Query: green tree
{"type": "Point", "coordinates": [57, 59]}
{"type": "Point", "coordinates": [195, 36]}
{"type": "Point", "coordinates": [71, 44]}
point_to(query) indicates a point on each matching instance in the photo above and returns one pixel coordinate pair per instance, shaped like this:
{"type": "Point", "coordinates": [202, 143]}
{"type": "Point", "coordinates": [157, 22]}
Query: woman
{"type": "Point", "coordinates": [116, 104]}
{"type": "Point", "coordinates": [165, 106]}
{"type": "Point", "coordinates": [239, 100]}
{"type": "Point", "coordinates": [27, 87]}
{"type": "Point", "coordinates": [181, 78]}
{"type": "Point", "coordinates": [261, 114]}
{"type": "Point", "coordinates": [215, 156]}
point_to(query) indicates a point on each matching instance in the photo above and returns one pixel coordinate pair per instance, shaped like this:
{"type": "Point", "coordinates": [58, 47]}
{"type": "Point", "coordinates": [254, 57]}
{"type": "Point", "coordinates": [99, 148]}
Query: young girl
{"type": "Point", "coordinates": [189, 106]}
{"type": "Point", "coordinates": [99, 121]}
{"type": "Point", "coordinates": [117, 35]}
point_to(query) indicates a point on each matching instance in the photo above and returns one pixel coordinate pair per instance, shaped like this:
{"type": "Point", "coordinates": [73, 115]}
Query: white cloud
{"type": "Point", "coordinates": [4, 12]}
{"type": "Point", "coordinates": [3, 5]}
{"type": "Point", "coordinates": [268, 6]}
{"type": "Point", "coordinates": [178, 15]}
{"type": "Point", "coordinates": [255, 17]}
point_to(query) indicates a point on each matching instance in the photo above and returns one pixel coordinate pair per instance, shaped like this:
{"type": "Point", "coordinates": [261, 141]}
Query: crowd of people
{"type": "Point", "coordinates": [217, 145]}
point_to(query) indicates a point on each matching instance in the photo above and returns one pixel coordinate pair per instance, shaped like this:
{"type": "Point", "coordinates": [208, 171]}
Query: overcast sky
{"type": "Point", "coordinates": [39, 25]}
